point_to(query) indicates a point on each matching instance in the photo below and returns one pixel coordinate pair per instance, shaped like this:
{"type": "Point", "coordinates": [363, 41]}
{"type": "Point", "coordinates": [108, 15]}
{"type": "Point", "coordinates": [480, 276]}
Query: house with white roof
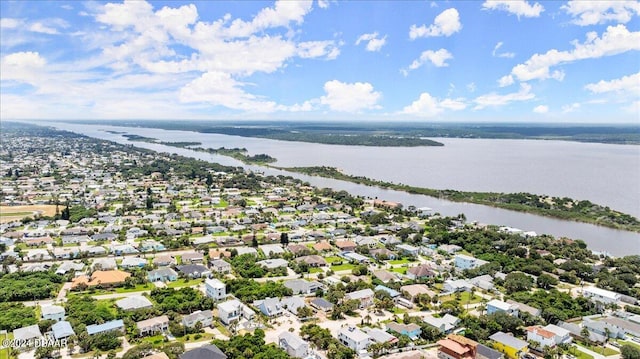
{"type": "Point", "coordinates": [134, 302]}
{"type": "Point", "coordinates": [364, 296]}
{"type": "Point", "coordinates": [205, 317]}
{"type": "Point", "coordinates": [27, 334]}
{"type": "Point", "coordinates": [52, 312]}
{"type": "Point", "coordinates": [354, 338]}
{"type": "Point", "coordinates": [273, 263]}
{"type": "Point", "coordinates": [294, 345]}
{"type": "Point", "coordinates": [61, 330]}
{"type": "Point", "coordinates": [271, 250]}
{"type": "Point", "coordinates": [495, 305]}
{"type": "Point", "coordinates": [233, 310]}
{"type": "Point", "coordinates": [215, 289]}
{"type": "Point", "coordinates": [601, 295]}
{"type": "Point", "coordinates": [445, 324]}
{"type": "Point", "coordinates": [463, 261]}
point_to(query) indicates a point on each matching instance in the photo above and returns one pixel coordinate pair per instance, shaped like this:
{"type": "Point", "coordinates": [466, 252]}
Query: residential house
{"type": "Point", "coordinates": [153, 325]}
{"type": "Point", "coordinates": [412, 330]}
{"type": "Point", "coordinates": [457, 347]}
{"type": "Point", "coordinates": [346, 246]}
{"type": "Point", "coordinates": [272, 250]}
{"type": "Point", "coordinates": [273, 263]}
{"type": "Point", "coordinates": [550, 335]}
{"type": "Point", "coordinates": [511, 346]}
{"type": "Point", "coordinates": [220, 266]}
{"type": "Point", "coordinates": [313, 261]}
{"type": "Point", "coordinates": [484, 352]}
{"type": "Point", "coordinates": [233, 310]}
{"type": "Point", "coordinates": [28, 334]}
{"type": "Point", "coordinates": [408, 249]}
{"type": "Point", "coordinates": [104, 264]}
{"type": "Point", "coordinates": [75, 239]}
{"type": "Point", "coordinates": [601, 295]}
{"type": "Point", "coordinates": [458, 285]}
{"type": "Point", "coordinates": [298, 249]}
{"type": "Point", "coordinates": [294, 345]}
{"type": "Point", "coordinates": [495, 305]}
{"type": "Point", "coordinates": [133, 262]}
{"type": "Point", "coordinates": [364, 296]}
{"type": "Point", "coordinates": [205, 317]}
{"type": "Point", "coordinates": [354, 338]}
{"type": "Point", "coordinates": [165, 274]}
{"type": "Point", "coordinates": [463, 261]}
{"type": "Point", "coordinates": [204, 352]}
{"type": "Point", "coordinates": [68, 267]}
{"type": "Point", "coordinates": [215, 289]}
{"type": "Point", "coordinates": [445, 324]}
{"type": "Point", "coordinates": [484, 282]}
{"type": "Point", "coordinates": [354, 257]}
{"type": "Point", "coordinates": [151, 246]}
{"type": "Point", "coordinates": [62, 330]}
{"type": "Point", "coordinates": [382, 254]}
{"type": "Point", "coordinates": [412, 290]}
{"type": "Point", "coordinates": [192, 258]}
{"type": "Point", "coordinates": [392, 292]}
{"type": "Point", "coordinates": [163, 260]}
{"type": "Point", "coordinates": [194, 270]}
{"type": "Point", "coordinates": [114, 325]}
{"type": "Point", "coordinates": [134, 302]}
{"type": "Point", "coordinates": [321, 304]}
{"type": "Point", "coordinates": [323, 247]}
{"type": "Point", "coordinates": [304, 287]}
{"type": "Point", "coordinates": [385, 276]}
{"type": "Point", "coordinates": [246, 250]}
{"type": "Point", "coordinates": [52, 312]}
{"type": "Point", "coordinates": [380, 336]}
{"type": "Point", "coordinates": [603, 328]}
{"type": "Point", "coordinates": [535, 312]}
{"type": "Point", "coordinates": [219, 254]}
{"type": "Point", "coordinates": [421, 271]}
{"type": "Point", "coordinates": [107, 278]}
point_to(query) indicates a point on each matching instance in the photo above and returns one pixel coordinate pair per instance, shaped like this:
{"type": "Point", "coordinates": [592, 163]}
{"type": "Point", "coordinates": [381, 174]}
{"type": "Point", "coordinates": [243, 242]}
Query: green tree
{"type": "Point", "coordinates": [629, 351]}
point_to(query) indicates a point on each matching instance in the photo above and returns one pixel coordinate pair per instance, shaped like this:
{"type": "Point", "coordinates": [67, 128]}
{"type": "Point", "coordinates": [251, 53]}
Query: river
{"type": "Point", "coordinates": [604, 174]}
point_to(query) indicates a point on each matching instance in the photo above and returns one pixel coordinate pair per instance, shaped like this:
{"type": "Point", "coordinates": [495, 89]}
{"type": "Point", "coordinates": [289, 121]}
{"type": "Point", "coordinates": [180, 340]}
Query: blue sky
{"type": "Point", "coordinates": [431, 61]}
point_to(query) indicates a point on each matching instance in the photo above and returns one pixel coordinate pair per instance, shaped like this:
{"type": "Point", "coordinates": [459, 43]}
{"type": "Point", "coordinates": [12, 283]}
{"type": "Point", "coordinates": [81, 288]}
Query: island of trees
{"type": "Point", "coordinates": [557, 207]}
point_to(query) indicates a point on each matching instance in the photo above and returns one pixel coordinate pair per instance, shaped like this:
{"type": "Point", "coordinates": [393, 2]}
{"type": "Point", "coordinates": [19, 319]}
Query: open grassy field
{"type": "Point", "coordinates": [12, 213]}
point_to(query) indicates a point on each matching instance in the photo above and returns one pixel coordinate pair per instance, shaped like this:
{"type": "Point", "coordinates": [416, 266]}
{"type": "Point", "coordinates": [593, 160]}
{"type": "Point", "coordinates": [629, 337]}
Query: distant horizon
{"type": "Point", "coordinates": [492, 61]}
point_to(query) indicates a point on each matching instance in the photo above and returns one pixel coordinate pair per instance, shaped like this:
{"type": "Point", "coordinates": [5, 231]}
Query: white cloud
{"type": "Point", "coordinates": [283, 13]}
{"type": "Point", "coordinates": [626, 84]}
{"type": "Point", "coordinates": [220, 89]}
{"type": "Point", "coordinates": [495, 100]}
{"type": "Point", "coordinates": [501, 54]}
{"type": "Point", "coordinates": [313, 49]}
{"type": "Point", "coordinates": [445, 24]}
{"type": "Point", "coordinates": [373, 42]}
{"type": "Point", "coordinates": [506, 80]}
{"type": "Point", "coordinates": [599, 12]}
{"type": "Point", "coordinates": [429, 106]}
{"type": "Point", "coordinates": [571, 108]}
{"type": "Point", "coordinates": [541, 109]}
{"type": "Point", "coordinates": [471, 87]}
{"type": "Point", "coordinates": [41, 28]}
{"type": "Point", "coordinates": [323, 4]}
{"type": "Point", "coordinates": [615, 40]}
{"type": "Point", "coordinates": [350, 97]}
{"type": "Point", "coordinates": [9, 23]}
{"type": "Point", "coordinates": [437, 58]}
{"type": "Point", "coordinates": [516, 7]}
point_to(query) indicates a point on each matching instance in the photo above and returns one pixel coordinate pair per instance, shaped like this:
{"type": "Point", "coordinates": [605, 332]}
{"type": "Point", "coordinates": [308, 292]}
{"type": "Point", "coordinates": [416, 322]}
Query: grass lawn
{"type": "Point", "coordinates": [315, 270]}
{"type": "Point", "coordinates": [581, 355]}
{"type": "Point", "coordinates": [598, 349]}
{"type": "Point", "coordinates": [4, 353]}
{"type": "Point", "coordinates": [333, 259]}
{"type": "Point", "coordinates": [222, 204]}
{"type": "Point", "coordinates": [180, 283]}
{"type": "Point", "coordinates": [157, 340]}
{"type": "Point", "coordinates": [464, 297]}
{"type": "Point", "coordinates": [341, 267]}
{"type": "Point", "coordinates": [399, 261]}
{"type": "Point", "coordinates": [629, 342]}
{"type": "Point", "coordinates": [192, 338]}
{"type": "Point", "coordinates": [137, 288]}
{"type": "Point", "coordinates": [401, 270]}
{"type": "Point", "coordinates": [397, 310]}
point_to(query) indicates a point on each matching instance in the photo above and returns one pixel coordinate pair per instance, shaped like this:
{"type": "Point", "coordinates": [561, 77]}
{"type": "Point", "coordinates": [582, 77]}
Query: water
{"type": "Point", "coordinates": [604, 174]}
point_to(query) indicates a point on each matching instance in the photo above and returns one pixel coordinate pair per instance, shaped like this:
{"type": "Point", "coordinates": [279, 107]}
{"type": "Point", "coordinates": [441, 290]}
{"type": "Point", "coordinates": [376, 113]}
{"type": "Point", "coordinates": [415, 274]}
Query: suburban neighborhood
{"type": "Point", "coordinates": [109, 251]}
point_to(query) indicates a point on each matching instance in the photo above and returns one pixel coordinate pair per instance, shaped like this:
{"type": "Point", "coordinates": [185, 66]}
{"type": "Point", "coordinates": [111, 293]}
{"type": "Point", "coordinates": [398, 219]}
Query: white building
{"type": "Point", "coordinates": [495, 305]}
{"type": "Point", "coordinates": [601, 295]}
{"type": "Point", "coordinates": [205, 317]}
{"type": "Point", "coordinates": [463, 262]}
{"type": "Point", "coordinates": [52, 312]}
{"type": "Point", "coordinates": [293, 345]}
{"type": "Point", "coordinates": [550, 336]}
{"type": "Point", "coordinates": [215, 289]}
{"type": "Point", "coordinates": [354, 338]}
{"type": "Point", "coordinates": [233, 310]}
